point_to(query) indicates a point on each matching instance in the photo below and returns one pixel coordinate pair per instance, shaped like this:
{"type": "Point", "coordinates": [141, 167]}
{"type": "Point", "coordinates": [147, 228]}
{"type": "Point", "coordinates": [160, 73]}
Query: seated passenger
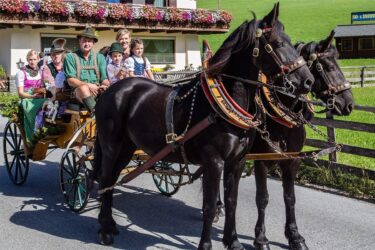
{"type": "Point", "coordinates": [137, 64]}
{"type": "Point", "coordinates": [52, 73]}
{"type": "Point", "coordinates": [30, 90]}
{"type": "Point", "coordinates": [115, 69]}
{"type": "Point", "coordinates": [86, 70]}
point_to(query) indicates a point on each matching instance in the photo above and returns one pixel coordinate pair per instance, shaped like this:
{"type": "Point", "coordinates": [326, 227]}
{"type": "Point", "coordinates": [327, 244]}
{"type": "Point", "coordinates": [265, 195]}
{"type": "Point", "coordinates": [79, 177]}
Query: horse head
{"type": "Point", "coordinates": [262, 45]}
{"type": "Point", "coordinates": [330, 84]}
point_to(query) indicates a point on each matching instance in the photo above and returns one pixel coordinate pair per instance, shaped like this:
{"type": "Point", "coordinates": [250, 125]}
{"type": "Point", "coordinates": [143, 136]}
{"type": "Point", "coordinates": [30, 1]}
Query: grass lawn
{"type": "Point", "coordinates": [307, 20]}
{"type": "Point", "coordinates": [362, 96]}
{"type": "Point", "coordinates": [304, 20]}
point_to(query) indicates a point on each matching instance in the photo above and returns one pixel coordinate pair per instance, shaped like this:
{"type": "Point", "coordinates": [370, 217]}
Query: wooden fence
{"type": "Point", "coordinates": [172, 75]}
{"type": "Point", "coordinates": [331, 125]}
{"type": "Point", "coordinates": [359, 75]}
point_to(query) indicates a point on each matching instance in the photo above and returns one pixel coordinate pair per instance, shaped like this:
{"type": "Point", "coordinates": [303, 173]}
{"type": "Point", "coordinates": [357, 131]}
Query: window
{"type": "Point", "coordinates": [347, 44]}
{"type": "Point", "coordinates": [366, 44]}
{"type": "Point", "coordinates": [160, 3]}
{"type": "Point", "coordinates": [71, 41]}
{"type": "Point", "coordinates": [159, 51]}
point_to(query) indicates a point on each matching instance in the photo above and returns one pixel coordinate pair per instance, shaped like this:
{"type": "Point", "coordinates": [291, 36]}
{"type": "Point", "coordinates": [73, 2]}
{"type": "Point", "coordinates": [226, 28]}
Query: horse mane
{"type": "Point", "coordinates": [240, 40]}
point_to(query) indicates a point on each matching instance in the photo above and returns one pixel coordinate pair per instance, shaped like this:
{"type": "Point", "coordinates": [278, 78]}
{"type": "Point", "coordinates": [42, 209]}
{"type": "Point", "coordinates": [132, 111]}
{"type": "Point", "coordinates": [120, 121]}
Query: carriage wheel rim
{"type": "Point", "coordinates": [73, 181]}
{"type": "Point", "coordinates": [167, 184]}
{"type": "Point", "coordinates": [18, 166]}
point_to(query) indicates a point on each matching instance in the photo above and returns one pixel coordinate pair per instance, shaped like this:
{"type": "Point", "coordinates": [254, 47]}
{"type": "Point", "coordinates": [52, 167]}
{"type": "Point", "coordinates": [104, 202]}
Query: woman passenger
{"type": "Point", "coordinates": [30, 90]}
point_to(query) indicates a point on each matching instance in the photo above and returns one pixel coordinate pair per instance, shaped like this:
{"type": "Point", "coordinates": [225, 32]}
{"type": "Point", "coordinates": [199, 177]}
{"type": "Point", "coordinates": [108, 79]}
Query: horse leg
{"type": "Point", "coordinates": [261, 170]}
{"type": "Point", "coordinates": [211, 185]}
{"type": "Point", "coordinates": [110, 171]}
{"type": "Point", "coordinates": [232, 175]}
{"type": "Point", "coordinates": [289, 170]}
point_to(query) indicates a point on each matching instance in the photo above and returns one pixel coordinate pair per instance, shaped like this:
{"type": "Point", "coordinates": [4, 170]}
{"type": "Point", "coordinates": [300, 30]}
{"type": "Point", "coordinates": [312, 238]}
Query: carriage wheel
{"type": "Point", "coordinates": [167, 178]}
{"type": "Point", "coordinates": [73, 180]}
{"type": "Point", "coordinates": [16, 160]}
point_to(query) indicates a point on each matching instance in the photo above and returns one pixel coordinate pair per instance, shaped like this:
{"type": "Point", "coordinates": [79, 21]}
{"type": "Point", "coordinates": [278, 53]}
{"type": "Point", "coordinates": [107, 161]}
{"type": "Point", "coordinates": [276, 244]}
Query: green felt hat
{"type": "Point", "coordinates": [58, 45]}
{"type": "Point", "coordinates": [116, 47]}
{"type": "Point", "coordinates": [89, 33]}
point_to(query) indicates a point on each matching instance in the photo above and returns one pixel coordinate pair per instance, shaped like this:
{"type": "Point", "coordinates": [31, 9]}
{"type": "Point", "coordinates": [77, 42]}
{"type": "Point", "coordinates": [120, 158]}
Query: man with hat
{"type": "Point", "coordinates": [85, 70]}
{"type": "Point", "coordinates": [55, 68]}
{"type": "Point", "coordinates": [116, 69]}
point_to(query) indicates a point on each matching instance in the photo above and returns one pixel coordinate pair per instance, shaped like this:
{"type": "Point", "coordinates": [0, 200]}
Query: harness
{"type": "Point", "coordinates": [88, 67]}
{"type": "Point", "coordinates": [285, 69]}
{"type": "Point", "coordinates": [331, 89]}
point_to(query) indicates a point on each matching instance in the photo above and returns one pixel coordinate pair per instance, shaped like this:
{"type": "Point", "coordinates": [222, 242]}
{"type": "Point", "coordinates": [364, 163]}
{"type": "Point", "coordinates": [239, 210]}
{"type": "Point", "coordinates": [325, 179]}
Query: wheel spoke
{"type": "Point", "coordinates": [10, 143]}
{"type": "Point", "coordinates": [67, 171]}
{"type": "Point", "coordinates": [17, 167]}
{"type": "Point", "coordinates": [11, 165]}
{"type": "Point", "coordinates": [12, 134]}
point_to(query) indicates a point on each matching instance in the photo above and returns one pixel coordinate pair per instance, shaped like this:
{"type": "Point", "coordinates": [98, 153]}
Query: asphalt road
{"type": "Point", "coordinates": [32, 216]}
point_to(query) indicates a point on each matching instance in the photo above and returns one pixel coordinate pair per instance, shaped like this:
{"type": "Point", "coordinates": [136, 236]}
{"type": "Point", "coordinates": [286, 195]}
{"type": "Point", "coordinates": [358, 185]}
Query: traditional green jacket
{"type": "Point", "coordinates": [90, 71]}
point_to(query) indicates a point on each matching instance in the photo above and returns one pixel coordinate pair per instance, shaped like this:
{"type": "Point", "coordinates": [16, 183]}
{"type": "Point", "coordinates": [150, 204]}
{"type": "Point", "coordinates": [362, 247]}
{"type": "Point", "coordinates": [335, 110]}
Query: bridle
{"type": "Point", "coordinates": [332, 89]}
{"type": "Point", "coordinates": [285, 69]}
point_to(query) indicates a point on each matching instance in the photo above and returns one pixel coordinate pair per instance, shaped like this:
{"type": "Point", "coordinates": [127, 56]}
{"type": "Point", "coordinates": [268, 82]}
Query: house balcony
{"type": "Point", "coordinates": [139, 15]}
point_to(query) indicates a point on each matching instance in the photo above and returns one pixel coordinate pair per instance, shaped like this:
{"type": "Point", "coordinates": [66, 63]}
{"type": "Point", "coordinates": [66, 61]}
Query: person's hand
{"type": "Point", "coordinates": [37, 95]}
{"type": "Point", "coordinates": [102, 88]}
{"type": "Point", "coordinates": [94, 89]}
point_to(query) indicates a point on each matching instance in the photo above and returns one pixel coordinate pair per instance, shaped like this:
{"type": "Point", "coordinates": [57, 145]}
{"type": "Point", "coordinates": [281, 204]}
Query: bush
{"type": "Point", "coordinates": [3, 73]}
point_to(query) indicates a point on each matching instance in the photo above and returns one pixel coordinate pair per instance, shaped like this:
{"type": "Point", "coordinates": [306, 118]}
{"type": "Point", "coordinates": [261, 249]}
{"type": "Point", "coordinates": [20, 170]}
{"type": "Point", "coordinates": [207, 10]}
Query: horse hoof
{"type": "Point", "coordinates": [298, 246]}
{"type": "Point", "coordinates": [236, 246]}
{"type": "Point", "coordinates": [105, 238]}
{"type": "Point", "coordinates": [258, 246]}
{"type": "Point", "coordinates": [205, 246]}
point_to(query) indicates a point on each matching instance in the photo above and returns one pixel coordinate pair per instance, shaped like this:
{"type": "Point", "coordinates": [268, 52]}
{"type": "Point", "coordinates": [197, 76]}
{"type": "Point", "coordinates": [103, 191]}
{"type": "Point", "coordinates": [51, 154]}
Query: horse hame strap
{"type": "Point", "coordinates": [220, 100]}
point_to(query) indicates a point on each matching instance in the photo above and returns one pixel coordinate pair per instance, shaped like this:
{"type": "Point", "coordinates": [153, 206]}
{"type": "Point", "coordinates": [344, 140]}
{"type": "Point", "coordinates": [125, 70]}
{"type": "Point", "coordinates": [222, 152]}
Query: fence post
{"type": "Point", "coordinates": [331, 136]}
{"type": "Point", "coordinates": [363, 76]}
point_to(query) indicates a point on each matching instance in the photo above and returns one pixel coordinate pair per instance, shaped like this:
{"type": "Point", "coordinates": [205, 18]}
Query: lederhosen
{"type": "Point", "coordinates": [91, 67]}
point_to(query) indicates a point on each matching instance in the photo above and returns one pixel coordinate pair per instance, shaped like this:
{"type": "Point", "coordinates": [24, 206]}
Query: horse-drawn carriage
{"type": "Point", "coordinates": [76, 136]}
{"type": "Point", "coordinates": [216, 135]}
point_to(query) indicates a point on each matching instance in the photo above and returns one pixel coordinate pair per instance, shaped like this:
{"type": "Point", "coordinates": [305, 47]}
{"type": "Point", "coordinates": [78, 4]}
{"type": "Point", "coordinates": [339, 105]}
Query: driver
{"type": "Point", "coordinates": [85, 70]}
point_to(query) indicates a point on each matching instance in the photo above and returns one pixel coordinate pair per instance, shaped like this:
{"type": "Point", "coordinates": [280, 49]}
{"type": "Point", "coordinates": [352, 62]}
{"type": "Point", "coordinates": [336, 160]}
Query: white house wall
{"type": "Point", "coordinates": [187, 4]}
{"type": "Point", "coordinates": [17, 42]}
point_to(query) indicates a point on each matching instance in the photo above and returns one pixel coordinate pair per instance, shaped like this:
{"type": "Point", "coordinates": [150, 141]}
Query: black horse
{"type": "Point", "coordinates": [130, 115]}
{"type": "Point", "coordinates": [331, 87]}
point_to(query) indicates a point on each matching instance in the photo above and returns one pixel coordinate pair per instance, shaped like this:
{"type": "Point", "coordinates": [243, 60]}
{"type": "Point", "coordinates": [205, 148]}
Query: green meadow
{"type": "Point", "coordinates": [312, 20]}
{"type": "Point", "coordinates": [304, 20]}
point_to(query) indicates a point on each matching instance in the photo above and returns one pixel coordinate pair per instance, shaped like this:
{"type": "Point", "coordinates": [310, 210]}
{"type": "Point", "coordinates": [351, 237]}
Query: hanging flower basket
{"type": "Point", "coordinates": [87, 12]}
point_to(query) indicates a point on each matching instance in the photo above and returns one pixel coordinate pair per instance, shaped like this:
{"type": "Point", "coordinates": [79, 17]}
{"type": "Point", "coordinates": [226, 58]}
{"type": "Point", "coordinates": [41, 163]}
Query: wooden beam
{"type": "Point", "coordinates": [155, 31]}
{"type": "Point", "coordinates": [60, 27]}
{"type": "Point", "coordinates": [139, 30]}
{"type": "Point", "coordinates": [79, 28]}
{"type": "Point", "coordinates": [38, 26]}
{"type": "Point", "coordinates": [103, 28]}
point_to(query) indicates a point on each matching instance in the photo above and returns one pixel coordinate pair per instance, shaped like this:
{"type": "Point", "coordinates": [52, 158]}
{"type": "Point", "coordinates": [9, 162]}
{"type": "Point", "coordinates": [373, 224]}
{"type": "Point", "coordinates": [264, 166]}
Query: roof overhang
{"type": "Point", "coordinates": [4, 24]}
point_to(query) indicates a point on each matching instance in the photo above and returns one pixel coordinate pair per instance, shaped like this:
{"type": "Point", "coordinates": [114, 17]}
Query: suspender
{"type": "Point", "coordinates": [89, 67]}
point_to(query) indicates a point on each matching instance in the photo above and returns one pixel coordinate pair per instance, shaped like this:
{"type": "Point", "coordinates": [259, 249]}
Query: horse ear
{"type": "Point", "coordinates": [272, 16]}
{"type": "Point", "coordinates": [328, 41]}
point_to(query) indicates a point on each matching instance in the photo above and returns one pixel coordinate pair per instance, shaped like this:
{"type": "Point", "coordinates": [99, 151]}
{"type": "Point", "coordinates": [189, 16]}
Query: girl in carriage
{"type": "Point", "coordinates": [137, 64]}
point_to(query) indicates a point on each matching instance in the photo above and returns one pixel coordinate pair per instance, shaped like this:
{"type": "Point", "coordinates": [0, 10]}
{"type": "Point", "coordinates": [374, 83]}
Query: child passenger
{"type": "Point", "coordinates": [137, 64]}
{"type": "Point", "coordinates": [115, 69]}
